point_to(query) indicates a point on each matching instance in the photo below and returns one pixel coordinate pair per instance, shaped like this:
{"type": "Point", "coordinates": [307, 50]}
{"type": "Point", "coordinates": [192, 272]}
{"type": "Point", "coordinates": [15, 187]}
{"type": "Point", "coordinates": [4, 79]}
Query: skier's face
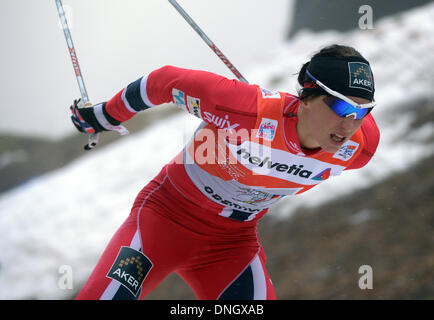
{"type": "Point", "coordinates": [320, 126]}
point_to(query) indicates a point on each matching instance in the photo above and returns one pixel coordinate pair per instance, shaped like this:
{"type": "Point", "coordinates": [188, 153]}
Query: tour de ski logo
{"type": "Point", "coordinates": [347, 151]}
{"type": "Point", "coordinates": [360, 76]}
{"type": "Point", "coordinates": [130, 269]}
{"type": "Point", "coordinates": [270, 94]}
{"type": "Point", "coordinates": [267, 129]}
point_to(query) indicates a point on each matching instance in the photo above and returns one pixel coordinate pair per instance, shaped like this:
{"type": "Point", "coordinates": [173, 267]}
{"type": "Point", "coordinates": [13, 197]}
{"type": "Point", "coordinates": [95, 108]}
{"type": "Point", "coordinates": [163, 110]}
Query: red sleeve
{"type": "Point", "coordinates": [371, 135]}
{"type": "Point", "coordinates": [206, 95]}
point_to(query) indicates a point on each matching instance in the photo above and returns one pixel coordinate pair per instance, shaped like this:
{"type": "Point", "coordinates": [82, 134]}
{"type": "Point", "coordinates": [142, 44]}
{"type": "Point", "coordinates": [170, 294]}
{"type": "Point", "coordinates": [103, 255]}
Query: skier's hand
{"type": "Point", "coordinates": [94, 119]}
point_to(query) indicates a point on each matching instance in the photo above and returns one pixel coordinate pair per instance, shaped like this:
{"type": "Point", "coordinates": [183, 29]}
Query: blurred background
{"type": "Point", "coordinates": [59, 205]}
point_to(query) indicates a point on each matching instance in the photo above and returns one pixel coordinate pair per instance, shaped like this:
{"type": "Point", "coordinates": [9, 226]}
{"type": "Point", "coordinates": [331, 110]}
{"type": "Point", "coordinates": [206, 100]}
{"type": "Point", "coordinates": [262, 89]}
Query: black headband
{"type": "Point", "coordinates": [350, 76]}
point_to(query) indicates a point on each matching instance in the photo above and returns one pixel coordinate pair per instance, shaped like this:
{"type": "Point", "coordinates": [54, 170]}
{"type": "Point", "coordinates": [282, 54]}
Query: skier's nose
{"type": "Point", "coordinates": [349, 123]}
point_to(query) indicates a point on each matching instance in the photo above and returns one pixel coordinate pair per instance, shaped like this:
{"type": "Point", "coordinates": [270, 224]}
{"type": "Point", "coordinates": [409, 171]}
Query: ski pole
{"type": "Point", "coordinates": [208, 41]}
{"type": "Point", "coordinates": [93, 137]}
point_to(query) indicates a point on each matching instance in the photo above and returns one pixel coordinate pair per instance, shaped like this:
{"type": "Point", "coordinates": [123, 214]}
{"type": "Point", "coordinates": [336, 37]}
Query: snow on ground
{"type": "Point", "coordinates": [66, 217]}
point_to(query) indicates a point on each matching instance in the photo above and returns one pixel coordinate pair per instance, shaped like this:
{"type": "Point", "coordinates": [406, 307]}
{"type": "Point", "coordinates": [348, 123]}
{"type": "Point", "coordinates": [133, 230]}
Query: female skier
{"type": "Point", "coordinates": [198, 217]}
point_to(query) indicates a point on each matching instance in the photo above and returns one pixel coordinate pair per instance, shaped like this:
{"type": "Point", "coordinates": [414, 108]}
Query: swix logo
{"type": "Point", "coordinates": [267, 129]}
{"type": "Point", "coordinates": [296, 170]}
{"type": "Point", "coordinates": [75, 62]}
{"type": "Point", "coordinates": [346, 151]}
{"type": "Point", "coordinates": [226, 61]}
{"type": "Point", "coordinates": [222, 123]}
{"type": "Point", "coordinates": [270, 94]}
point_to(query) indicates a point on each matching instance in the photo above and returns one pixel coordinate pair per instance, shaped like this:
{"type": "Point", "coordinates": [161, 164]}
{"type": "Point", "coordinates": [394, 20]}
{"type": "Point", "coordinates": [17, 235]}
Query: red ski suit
{"type": "Point", "coordinates": [198, 216]}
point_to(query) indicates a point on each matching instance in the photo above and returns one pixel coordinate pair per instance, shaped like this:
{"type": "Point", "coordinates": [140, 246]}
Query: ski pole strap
{"type": "Point", "coordinates": [100, 117]}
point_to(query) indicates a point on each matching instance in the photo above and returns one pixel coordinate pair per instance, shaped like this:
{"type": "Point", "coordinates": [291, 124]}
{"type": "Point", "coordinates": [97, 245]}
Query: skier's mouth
{"type": "Point", "coordinates": [337, 139]}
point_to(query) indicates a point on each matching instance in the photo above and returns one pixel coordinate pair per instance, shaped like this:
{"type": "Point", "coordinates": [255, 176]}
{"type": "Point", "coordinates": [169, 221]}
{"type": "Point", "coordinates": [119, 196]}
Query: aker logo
{"type": "Point", "coordinates": [346, 152]}
{"type": "Point", "coordinates": [130, 269]}
{"type": "Point", "coordinates": [179, 98]}
{"type": "Point", "coordinates": [360, 76]}
{"type": "Point", "coordinates": [267, 129]}
{"type": "Point", "coordinates": [270, 94]}
{"type": "Point", "coordinates": [193, 105]}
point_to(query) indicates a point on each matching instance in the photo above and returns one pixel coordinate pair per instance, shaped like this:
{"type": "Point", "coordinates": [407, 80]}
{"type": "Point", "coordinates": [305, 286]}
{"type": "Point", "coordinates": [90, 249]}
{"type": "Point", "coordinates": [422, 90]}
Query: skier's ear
{"type": "Point", "coordinates": [306, 103]}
